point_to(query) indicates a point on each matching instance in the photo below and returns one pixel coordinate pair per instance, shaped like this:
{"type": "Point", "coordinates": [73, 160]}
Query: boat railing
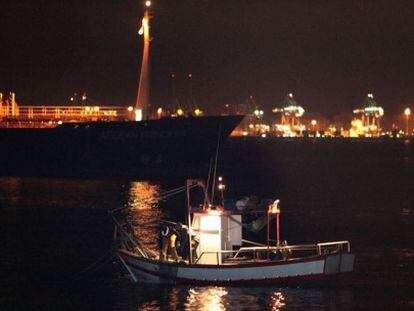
{"type": "Point", "coordinates": [274, 253]}
{"type": "Point", "coordinates": [327, 247]}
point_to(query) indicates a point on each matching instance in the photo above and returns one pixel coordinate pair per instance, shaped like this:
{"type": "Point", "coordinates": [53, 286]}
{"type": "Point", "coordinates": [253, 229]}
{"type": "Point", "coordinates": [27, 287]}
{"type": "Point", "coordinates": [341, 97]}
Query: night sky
{"type": "Point", "coordinates": [330, 54]}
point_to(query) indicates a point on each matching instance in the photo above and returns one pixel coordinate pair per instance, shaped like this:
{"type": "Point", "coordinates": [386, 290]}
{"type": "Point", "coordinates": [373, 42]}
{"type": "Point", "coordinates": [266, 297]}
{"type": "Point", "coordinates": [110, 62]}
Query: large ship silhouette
{"type": "Point", "coordinates": [31, 144]}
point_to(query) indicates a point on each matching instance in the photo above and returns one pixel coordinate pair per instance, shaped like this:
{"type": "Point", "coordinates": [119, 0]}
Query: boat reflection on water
{"type": "Point", "coordinates": [143, 204]}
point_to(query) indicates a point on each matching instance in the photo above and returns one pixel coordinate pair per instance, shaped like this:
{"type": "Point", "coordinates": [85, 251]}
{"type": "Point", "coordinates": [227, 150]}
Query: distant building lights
{"type": "Point", "coordinates": [60, 122]}
{"type": "Point", "coordinates": [313, 122]}
{"type": "Point", "coordinates": [147, 4]}
{"type": "Point", "coordinates": [180, 112]}
{"type": "Point", "coordinates": [407, 111]}
{"type": "Point", "coordinates": [130, 108]}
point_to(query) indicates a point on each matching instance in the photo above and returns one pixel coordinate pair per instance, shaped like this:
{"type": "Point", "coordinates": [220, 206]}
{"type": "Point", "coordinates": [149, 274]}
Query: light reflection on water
{"type": "Point", "coordinates": [206, 299]}
{"type": "Point", "coordinates": [145, 211]}
{"type": "Point", "coordinates": [277, 301]}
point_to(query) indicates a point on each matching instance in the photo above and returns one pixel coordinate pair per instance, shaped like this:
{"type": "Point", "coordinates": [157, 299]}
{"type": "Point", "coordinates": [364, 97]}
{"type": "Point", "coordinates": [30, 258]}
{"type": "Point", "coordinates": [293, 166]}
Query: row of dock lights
{"type": "Point", "coordinates": [366, 123]}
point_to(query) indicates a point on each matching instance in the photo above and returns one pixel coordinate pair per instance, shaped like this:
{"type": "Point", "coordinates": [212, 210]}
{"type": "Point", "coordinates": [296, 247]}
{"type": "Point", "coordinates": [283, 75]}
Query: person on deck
{"type": "Point", "coordinates": [183, 250]}
{"type": "Point", "coordinates": [173, 241]}
{"type": "Point", "coordinates": [165, 241]}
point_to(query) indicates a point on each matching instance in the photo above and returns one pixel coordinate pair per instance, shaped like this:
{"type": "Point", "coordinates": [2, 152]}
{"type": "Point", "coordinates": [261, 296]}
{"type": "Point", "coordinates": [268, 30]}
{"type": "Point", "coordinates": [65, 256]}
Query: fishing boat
{"type": "Point", "coordinates": [218, 255]}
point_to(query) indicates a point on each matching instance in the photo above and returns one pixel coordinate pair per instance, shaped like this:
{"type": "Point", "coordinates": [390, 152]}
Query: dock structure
{"type": "Point", "coordinates": [369, 123]}
{"type": "Point", "coordinates": [20, 116]}
{"type": "Point", "coordinates": [290, 120]}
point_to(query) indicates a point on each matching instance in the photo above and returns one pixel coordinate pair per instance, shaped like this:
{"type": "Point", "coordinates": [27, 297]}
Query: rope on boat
{"type": "Point", "coordinates": [215, 164]}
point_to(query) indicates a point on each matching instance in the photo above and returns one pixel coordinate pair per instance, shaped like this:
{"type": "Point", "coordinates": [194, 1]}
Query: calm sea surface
{"type": "Point", "coordinates": [56, 233]}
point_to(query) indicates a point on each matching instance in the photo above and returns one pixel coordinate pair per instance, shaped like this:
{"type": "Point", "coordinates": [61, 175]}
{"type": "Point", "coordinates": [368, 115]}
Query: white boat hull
{"type": "Point", "coordinates": [238, 274]}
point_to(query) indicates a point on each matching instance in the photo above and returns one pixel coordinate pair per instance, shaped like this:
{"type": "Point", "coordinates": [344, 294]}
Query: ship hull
{"type": "Point", "coordinates": [274, 273]}
{"type": "Point", "coordinates": [131, 148]}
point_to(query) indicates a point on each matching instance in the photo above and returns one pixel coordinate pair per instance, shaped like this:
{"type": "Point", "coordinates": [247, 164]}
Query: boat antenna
{"type": "Point", "coordinates": [142, 104]}
{"type": "Point", "coordinates": [215, 163]}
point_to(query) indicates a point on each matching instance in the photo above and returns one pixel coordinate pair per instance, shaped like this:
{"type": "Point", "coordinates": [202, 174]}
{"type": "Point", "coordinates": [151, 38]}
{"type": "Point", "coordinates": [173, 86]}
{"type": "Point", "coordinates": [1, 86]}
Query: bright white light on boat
{"type": "Point", "coordinates": [274, 208]}
{"type": "Point", "coordinates": [138, 115]}
{"type": "Point", "coordinates": [213, 212]}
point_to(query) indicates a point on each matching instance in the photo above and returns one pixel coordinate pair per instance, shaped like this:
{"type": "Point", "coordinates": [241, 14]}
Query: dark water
{"type": "Point", "coordinates": [56, 234]}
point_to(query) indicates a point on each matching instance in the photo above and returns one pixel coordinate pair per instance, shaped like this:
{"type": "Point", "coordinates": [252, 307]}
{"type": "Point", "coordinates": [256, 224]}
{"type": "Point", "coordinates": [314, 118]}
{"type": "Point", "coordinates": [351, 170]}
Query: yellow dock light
{"type": "Point", "coordinates": [180, 112]}
{"type": "Point", "coordinates": [198, 112]}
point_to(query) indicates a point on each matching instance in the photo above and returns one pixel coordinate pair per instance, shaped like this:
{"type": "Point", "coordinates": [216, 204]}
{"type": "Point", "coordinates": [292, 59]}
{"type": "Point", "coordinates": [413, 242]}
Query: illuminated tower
{"type": "Point", "coordinates": [142, 104]}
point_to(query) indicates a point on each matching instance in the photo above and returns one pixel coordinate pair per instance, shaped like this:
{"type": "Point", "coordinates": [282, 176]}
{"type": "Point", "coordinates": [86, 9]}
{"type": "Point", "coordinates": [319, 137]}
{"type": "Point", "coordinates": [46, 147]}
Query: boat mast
{"type": "Point", "coordinates": [142, 104]}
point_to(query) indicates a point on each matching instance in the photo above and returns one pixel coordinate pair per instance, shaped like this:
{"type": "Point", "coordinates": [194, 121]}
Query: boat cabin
{"type": "Point", "coordinates": [216, 231]}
